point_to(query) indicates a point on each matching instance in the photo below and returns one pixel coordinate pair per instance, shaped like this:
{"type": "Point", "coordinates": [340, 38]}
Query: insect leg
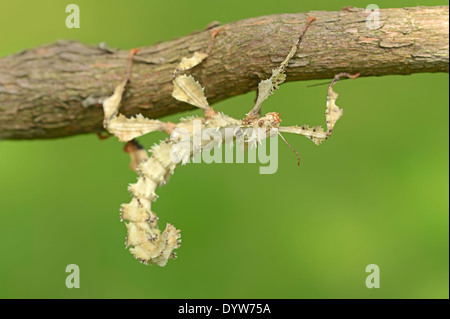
{"type": "Point", "coordinates": [137, 153]}
{"type": "Point", "coordinates": [332, 114]}
{"type": "Point", "coordinates": [270, 85]}
{"type": "Point", "coordinates": [124, 128]}
{"type": "Point", "coordinates": [185, 88]}
{"type": "Point", "coordinates": [198, 57]}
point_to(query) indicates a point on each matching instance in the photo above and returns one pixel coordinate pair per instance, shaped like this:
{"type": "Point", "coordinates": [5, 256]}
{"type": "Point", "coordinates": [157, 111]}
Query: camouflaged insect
{"type": "Point", "coordinates": [145, 240]}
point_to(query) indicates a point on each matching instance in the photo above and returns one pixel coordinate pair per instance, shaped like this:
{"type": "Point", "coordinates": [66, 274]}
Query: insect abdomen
{"type": "Point", "coordinates": [147, 243]}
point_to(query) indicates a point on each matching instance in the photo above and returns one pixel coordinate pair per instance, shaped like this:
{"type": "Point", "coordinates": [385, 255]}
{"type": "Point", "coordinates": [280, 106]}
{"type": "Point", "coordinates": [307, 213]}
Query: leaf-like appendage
{"type": "Point", "coordinates": [333, 113]}
{"type": "Point", "coordinates": [127, 129]}
{"type": "Point", "coordinates": [111, 104]}
{"type": "Point", "coordinates": [315, 134]}
{"type": "Point", "coordinates": [267, 87]}
{"type": "Point", "coordinates": [186, 89]}
{"type": "Point", "coordinates": [189, 63]}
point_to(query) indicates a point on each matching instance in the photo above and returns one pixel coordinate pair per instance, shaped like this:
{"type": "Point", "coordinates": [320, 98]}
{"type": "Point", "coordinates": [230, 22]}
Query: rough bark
{"type": "Point", "coordinates": [55, 90]}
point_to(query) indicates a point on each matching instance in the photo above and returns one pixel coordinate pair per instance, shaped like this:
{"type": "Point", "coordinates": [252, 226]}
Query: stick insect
{"type": "Point", "coordinates": [145, 240]}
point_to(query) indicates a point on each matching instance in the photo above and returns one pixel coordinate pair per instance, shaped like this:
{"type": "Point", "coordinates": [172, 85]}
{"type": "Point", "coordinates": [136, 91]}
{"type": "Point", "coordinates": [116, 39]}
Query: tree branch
{"type": "Point", "coordinates": [55, 90]}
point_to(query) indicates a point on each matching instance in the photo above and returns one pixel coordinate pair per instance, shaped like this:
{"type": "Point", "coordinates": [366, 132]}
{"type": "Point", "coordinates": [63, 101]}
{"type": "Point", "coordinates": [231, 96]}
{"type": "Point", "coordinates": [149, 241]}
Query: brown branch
{"type": "Point", "coordinates": [55, 90]}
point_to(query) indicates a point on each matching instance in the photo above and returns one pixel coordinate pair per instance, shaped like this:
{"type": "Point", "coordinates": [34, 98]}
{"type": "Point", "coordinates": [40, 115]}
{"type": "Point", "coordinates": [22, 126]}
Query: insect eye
{"type": "Point", "coordinates": [261, 123]}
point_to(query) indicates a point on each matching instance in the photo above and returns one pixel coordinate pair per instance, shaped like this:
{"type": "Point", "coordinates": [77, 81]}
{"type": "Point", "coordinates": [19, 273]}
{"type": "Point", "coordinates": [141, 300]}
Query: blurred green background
{"type": "Point", "coordinates": [377, 192]}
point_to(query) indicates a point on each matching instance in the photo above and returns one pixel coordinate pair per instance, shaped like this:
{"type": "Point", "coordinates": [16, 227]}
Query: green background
{"type": "Point", "coordinates": [377, 192]}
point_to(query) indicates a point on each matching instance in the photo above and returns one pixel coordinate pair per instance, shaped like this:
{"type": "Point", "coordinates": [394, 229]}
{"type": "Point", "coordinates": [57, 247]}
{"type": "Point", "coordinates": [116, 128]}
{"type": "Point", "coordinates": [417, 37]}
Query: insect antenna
{"type": "Point", "coordinates": [298, 156]}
